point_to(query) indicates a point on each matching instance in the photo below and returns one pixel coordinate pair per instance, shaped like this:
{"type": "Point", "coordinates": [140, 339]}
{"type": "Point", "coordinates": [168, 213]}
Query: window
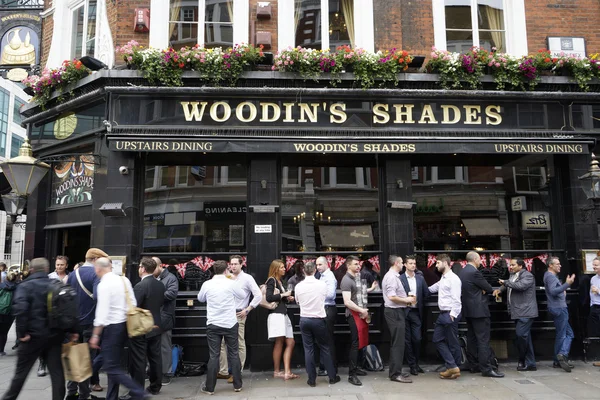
{"type": "Point", "coordinates": [461, 24]}
{"type": "Point", "coordinates": [529, 179]}
{"type": "Point", "coordinates": [4, 102]}
{"type": "Point", "coordinates": [83, 29]}
{"type": "Point", "coordinates": [445, 174]}
{"type": "Point", "coordinates": [17, 111]}
{"type": "Point", "coordinates": [209, 23]}
{"type": "Point", "coordinates": [532, 116]}
{"type": "Point", "coordinates": [15, 144]}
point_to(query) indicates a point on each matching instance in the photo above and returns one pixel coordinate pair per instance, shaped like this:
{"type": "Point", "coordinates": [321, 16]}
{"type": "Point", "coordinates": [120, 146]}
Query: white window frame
{"type": "Point", "coordinates": [514, 25]}
{"type": "Point", "coordinates": [543, 175]}
{"type": "Point", "coordinates": [73, 6]}
{"type": "Point", "coordinates": [285, 178]}
{"type": "Point", "coordinates": [359, 174]}
{"type": "Point", "coordinates": [364, 31]}
{"type": "Point", "coordinates": [160, 12]}
{"type": "Point", "coordinates": [460, 175]}
{"type": "Point", "coordinates": [181, 169]}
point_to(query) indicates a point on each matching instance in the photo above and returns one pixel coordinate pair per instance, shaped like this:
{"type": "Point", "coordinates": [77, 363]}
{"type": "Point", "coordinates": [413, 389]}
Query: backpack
{"type": "Point", "coordinates": [177, 359]}
{"type": "Point", "coordinates": [371, 358]}
{"type": "Point", "coordinates": [463, 349]}
{"type": "Point", "coordinates": [5, 301]}
{"type": "Point", "coordinates": [63, 310]}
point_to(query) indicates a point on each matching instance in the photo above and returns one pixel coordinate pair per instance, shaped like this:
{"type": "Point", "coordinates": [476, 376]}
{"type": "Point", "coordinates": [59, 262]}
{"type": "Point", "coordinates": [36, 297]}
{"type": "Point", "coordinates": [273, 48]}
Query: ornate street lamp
{"type": "Point", "coordinates": [590, 183]}
{"type": "Point", "coordinates": [24, 172]}
{"type": "Point", "coordinates": [14, 205]}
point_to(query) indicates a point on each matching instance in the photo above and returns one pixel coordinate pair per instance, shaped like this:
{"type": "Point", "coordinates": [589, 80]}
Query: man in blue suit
{"type": "Point", "coordinates": [414, 283]}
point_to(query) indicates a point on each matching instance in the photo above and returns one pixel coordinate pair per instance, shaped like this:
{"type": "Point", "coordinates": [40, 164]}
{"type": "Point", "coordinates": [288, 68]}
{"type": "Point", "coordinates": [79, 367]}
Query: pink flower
{"type": "Point", "coordinates": [497, 65]}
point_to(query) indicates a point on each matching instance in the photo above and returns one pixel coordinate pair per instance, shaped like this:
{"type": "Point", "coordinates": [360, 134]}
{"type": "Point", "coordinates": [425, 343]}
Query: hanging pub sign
{"type": "Point", "coordinates": [73, 181]}
{"type": "Point", "coordinates": [19, 39]}
{"type": "Point", "coordinates": [535, 220]}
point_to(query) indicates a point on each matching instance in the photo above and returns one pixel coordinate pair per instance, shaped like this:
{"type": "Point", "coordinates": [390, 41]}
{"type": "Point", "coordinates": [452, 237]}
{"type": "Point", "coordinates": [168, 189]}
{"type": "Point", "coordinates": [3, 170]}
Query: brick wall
{"type": "Point", "coordinates": [120, 18]}
{"type": "Point", "coordinates": [265, 25]}
{"type": "Point", "coordinates": [47, 28]}
{"type": "Point", "coordinates": [562, 18]}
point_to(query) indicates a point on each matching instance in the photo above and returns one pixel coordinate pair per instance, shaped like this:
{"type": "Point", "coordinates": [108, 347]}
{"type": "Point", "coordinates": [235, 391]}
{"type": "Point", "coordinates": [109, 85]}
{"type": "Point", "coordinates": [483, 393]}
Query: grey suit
{"type": "Point", "coordinates": [522, 306]}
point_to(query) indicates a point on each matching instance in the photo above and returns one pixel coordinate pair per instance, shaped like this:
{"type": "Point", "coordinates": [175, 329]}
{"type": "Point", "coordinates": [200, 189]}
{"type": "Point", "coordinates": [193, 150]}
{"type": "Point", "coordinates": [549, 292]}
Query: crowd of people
{"type": "Point", "coordinates": [104, 299]}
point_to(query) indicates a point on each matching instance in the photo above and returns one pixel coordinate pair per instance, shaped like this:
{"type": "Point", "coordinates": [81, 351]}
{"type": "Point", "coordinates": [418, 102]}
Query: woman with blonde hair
{"type": "Point", "coordinates": [279, 325]}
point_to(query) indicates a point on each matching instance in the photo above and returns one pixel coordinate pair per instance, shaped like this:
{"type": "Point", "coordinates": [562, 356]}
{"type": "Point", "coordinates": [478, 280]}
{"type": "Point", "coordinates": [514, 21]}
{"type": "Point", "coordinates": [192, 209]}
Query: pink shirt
{"type": "Point", "coordinates": [310, 295]}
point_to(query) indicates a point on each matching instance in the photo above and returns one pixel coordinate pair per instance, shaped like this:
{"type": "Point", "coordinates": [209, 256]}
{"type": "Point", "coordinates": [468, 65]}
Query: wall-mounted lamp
{"type": "Point", "coordinates": [263, 184]}
{"type": "Point", "coordinates": [113, 210]}
{"type": "Point", "coordinates": [400, 183]}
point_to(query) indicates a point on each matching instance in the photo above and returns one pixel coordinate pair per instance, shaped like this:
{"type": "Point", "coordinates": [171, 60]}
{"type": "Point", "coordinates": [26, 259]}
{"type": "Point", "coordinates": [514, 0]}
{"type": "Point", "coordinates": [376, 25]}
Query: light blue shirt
{"type": "Point", "coordinates": [595, 298]}
{"type": "Point", "coordinates": [331, 283]}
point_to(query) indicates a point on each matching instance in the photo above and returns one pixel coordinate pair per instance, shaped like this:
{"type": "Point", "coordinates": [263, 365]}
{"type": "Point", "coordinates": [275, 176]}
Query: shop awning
{"type": "Point", "coordinates": [484, 227]}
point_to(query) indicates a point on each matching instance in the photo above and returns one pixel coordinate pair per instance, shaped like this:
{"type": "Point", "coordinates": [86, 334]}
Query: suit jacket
{"type": "Point", "coordinates": [422, 291]}
{"type": "Point", "coordinates": [523, 303]}
{"type": "Point", "coordinates": [474, 303]}
{"type": "Point", "coordinates": [149, 294]}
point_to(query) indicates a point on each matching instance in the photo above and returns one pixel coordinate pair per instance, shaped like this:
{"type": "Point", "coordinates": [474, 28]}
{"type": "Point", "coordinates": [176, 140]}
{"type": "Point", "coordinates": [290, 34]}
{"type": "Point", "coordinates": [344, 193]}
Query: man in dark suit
{"type": "Point", "coordinates": [477, 315]}
{"type": "Point", "coordinates": [149, 295]}
{"type": "Point", "coordinates": [522, 305]}
{"type": "Point", "coordinates": [414, 284]}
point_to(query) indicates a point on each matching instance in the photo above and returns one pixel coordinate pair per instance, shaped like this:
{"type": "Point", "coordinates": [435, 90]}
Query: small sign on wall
{"type": "Point", "coordinates": [535, 220]}
{"type": "Point", "coordinates": [518, 203]}
{"type": "Point", "coordinates": [566, 46]}
{"type": "Point", "coordinates": [263, 228]}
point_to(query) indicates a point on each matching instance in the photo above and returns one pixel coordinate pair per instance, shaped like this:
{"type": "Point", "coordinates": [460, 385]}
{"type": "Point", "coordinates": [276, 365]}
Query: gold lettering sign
{"type": "Point", "coordinates": [336, 113]}
{"type": "Point", "coordinates": [539, 148]}
{"type": "Point", "coordinates": [21, 16]}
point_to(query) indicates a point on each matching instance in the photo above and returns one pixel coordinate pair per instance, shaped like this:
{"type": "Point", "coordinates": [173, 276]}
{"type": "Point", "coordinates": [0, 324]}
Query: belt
{"type": "Point", "coordinates": [330, 305]}
{"type": "Point", "coordinates": [444, 311]}
{"type": "Point", "coordinates": [595, 305]}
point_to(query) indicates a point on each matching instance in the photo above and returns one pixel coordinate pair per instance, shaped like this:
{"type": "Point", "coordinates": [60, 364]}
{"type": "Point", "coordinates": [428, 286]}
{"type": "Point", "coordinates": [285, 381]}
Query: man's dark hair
{"type": "Point", "coordinates": [410, 257]}
{"type": "Point", "coordinates": [219, 267]}
{"type": "Point", "coordinates": [40, 264]}
{"type": "Point", "coordinates": [148, 264]}
{"type": "Point", "coordinates": [392, 259]}
{"type": "Point", "coordinates": [349, 259]}
{"type": "Point", "coordinates": [310, 268]}
{"type": "Point", "coordinates": [519, 262]}
{"type": "Point", "coordinates": [444, 257]}
{"type": "Point", "coordinates": [239, 258]}
{"type": "Point", "coordinates": [65, 258]}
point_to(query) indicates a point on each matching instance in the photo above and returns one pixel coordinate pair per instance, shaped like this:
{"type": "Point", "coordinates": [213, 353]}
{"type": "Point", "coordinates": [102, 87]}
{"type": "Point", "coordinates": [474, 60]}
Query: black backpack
{"type": "Point", "coordinates": [63, 310]}
{"type": "Point", "coordinates": [371, 359]}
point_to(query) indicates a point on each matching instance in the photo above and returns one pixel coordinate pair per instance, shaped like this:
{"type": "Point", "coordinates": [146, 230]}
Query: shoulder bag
{"type": "Point", "coordinates": [263, 302]}
{"type": "Point", "coordinates": [139, 320]}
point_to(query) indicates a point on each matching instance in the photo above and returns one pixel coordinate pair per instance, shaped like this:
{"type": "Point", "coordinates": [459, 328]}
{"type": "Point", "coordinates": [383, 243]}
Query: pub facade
{"type": "Point", "coordinates": [281, 168]}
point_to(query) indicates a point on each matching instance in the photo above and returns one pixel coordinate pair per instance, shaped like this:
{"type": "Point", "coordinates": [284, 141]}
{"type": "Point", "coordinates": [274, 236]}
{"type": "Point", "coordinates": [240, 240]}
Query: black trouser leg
{"type": "Point", "coordinates": [331, 315]}
{"type": "Point", "coordinates": [57, 376]}
{"type": "Point", "coordinates": [85, 333]}
{"type": "Point", "coordinates": [308, 342]}
{"type": "Point", "coordinates": [413, 337]}
{"type": "Point", "coordinates": [7, 321]}
{"type": "Point", "coordinates": [233, 354]}
{"type": "Point", "coordinates": [154, 354]}
{"type": "Point", "coordinates": [480, 330]}
{"type": "Point", "coordinates": [395, 318]}
{"type": "Point", "coordinates": [353, 354]}
{"type": "Point", "coordinates": [27, 354]}
{"type": "Point", "coordinates": [594, 322]}
{"type": "Point", "coordinates": [137, 359]}
{"type": "Point", "coordinates": [472, 350]}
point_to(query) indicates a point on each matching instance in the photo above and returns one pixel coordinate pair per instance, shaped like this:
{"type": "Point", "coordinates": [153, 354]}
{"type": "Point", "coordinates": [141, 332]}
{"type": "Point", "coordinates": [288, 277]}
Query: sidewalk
{"type": "Point", "coordinates": [546, 383]}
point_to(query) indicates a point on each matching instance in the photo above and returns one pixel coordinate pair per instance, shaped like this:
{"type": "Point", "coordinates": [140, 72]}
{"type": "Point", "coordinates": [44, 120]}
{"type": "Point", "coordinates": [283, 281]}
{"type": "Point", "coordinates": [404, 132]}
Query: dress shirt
{"type": "Point", "coordinates": [595, 298]}
{"type": "Point", "coordinates": [392, 287]}
{"type": "Point", "coordinates": [412, 284]}
{"type": "Point", "coordinates": [249, 286]}
{"type": "Point", "coordinates": [221, 296]}
{"type": "Point", "coordinates": [329, 279]}
{"type": "Point", "coordinates": [310, 295]}
{"type": "Point", "coordinates": [54, 275]}
{"type": "Point", "coordinates": [448, 289]}
{"type": "Point", "coordinates": [111, 306]}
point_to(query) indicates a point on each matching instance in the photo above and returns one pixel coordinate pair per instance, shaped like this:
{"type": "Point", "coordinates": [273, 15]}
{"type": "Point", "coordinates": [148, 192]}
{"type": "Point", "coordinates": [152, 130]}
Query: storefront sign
{"type": "Point", "coordinates": [535, 220]}
{"type": "Point", "coordinates": [73, 181]}
{"type": "Point", "coordinates": [221, 210]}
{"type": "Point", "coordinates": [323, 147]}
{"type": "Point", "coordinates": [518, 203]}
{"type": "Point", "coordinates": [263, 228]}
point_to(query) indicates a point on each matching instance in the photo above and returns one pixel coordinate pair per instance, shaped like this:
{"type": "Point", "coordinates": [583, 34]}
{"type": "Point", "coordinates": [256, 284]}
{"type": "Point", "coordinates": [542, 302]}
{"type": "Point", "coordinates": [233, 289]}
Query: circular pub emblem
{"type": "Point", "coordinates": [17, 74]}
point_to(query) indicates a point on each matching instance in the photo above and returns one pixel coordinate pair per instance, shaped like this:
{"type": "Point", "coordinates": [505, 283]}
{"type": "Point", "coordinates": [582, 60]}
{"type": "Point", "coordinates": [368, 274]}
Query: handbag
{"type": "Point", "coordinates": [139, 321]}
{"type": "Point", "coordinates": [76, 361]}
{"type": "Point", "coordinates": [263, 302]}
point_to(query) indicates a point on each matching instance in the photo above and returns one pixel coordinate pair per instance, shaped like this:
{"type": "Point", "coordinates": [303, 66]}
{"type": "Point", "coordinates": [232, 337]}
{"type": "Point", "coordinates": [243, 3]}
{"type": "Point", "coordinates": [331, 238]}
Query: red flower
{"type": "Point", "coordinates": [181, 65]}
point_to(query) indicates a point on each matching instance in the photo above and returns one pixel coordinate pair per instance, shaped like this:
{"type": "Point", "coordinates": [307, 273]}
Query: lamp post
{"type": "Point", "coordinates": [590, 183]}
{"type": "Point", "coordinates": [24, 173]}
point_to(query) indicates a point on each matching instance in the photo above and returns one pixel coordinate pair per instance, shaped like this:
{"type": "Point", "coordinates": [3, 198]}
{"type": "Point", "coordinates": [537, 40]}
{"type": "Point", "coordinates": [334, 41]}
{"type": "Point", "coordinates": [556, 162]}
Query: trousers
{"type": "Point", "coordinates": [524, 343]}
{"type": "Point", "coordinates": [146, 350]}
{"type": "Point", "coordinates": [478, 342]}
{"type": "Point", "coordinates": [395, 318]}
{"type": "Point", "coordinates": [166, 349]}
{"type": "Point", "coordinates": [223, 366]}
{"type": "Point", "coordinates": [413, 337]}
{"type": "Point", "coordinates": [331, 315]}
{"type": "Point", "coordinates": [564, 332]}
{"type": "Point", "coordinates": [113, 343]}
{"type": "Point", "coordinates": [27, 354]}
{"type": "Point", "coordinates": [83, 388]}
{"type": "Point", "coordinates": [353, 355]}
{"type": "Point", "coordinates": [314, 335]}
{"type": "Point", "coordinates": [214, 336]}
{"type": "Point", "coordinates": [445, 337]}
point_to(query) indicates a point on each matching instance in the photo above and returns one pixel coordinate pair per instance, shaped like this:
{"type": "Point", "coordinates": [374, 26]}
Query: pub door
{"type": "Point", "coordinates": [71, 242]}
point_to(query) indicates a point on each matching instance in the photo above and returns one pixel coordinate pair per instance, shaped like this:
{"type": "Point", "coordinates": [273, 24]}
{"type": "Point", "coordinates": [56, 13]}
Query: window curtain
{"type": "Point", "coordinates": [348, 10]}
{"type": "Point", "coordinates": [230, 10]}
{"type": "Point", "coordinates": [495, 18]}
{"type": "Point", "coordinates": [175, 17]}
{"type": "Point", "coordinates": [297, 11]}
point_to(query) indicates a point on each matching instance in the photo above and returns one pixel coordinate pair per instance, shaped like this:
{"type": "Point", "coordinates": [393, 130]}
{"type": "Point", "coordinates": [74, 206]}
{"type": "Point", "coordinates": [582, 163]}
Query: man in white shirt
{"type": "Point", "coordinates": [221, 296]}
{"type": "Point", "coordinates": [242, 308]}
{"type": "Point", "coordinates": [445, 333]}
{"type": "Point", "coordinates": [331, 311]}
{"type": "Point", "coordinates": [310, 295]}
{"type": "Point", "coordinates": [110, 323]}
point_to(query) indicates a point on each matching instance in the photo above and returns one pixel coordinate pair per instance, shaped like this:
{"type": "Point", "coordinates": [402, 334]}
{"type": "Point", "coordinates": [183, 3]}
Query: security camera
{"type": "Point", "coordinates": [123, 170]}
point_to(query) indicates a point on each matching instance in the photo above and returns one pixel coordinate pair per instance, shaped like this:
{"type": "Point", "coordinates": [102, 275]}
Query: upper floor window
{"type": "Point", "coordinates": [325, 24]}
{"type": "Point", "coordinates": [83, 28]}
{"type": "Point", "coordinates": [449, 174]}
{"type": "Point", "coordinates": [15, 145]}
{"type": "Point", "coordinates": [209, 23]}
{"type": "Point", "coordinates": [461, 24]}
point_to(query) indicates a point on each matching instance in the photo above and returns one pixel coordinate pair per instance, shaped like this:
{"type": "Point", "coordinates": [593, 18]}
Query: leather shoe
{"type": "Point", "coordinates": [361, 372]}
{"type": "Point", "coordinates": [401, 379]}
{"type": "Point", "coordinates": [493, 374]}
{"type": "Point", "coordinates": [596, 364]}
{"type": "Point", "coordinates": [221, 376]}
{"type": "Point", "coordinates": [564, 362]}
{"type": "Point", "coordinates": [333, 381]}
{"type": "Point", "coordinates": [72, 397]}
{"type": "Point", "coordinates": [354, 380]}
{"type": "Point", "coordinates": [152, 391]}
{"type": "Point", "coordinates": [450, 373]}
{"type": "Point", "coordinates": [311, 384]}
{"type": "Point", "coordinates": [321, 372]}
{"type": "Point", "coordinates": [126, 396]}
{"type": "Point", "coordinates": [413, 371]}
{"type": "Point", "coordinates": [420, 370]}
{"type": "Point", "coordinates": [522, 367]}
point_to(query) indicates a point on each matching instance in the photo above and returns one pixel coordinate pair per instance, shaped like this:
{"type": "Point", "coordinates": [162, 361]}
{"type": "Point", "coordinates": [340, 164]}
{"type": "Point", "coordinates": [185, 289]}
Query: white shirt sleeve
{"type": "Point", "coordinates": [456, 289]}
{"type": "Point", "coordinates": [102, 306]}
{"type": "Point", "coordinates": [202, 293]}
{"type": "Point", "coordinates": [435, 287]}
{"type": "Point", "coordinates": [238, 292]}
{"type": "Point", "coordinates": [256, 293]}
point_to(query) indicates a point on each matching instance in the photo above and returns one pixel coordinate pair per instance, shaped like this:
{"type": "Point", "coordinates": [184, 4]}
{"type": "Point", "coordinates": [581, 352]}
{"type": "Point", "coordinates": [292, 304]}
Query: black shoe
{"type": "Point", "coordinates": [420, 370]}
{"type": "Point", "coordinates": [361, 372]}
{"type": "Point", "coordinates": [166, 380]}
{"type": "Point", "coordinates": [335, 380]}
{"type": "Point", "coordinates": [354, 380]}
{"type": "Point", "coordinates": [493, 374]}
{"type": "Point", "coordinates": [564, 362]}
{"type": "Point", "coordinates": [72, 397]}
{"type": "Point", "coordinates": [311, 384]}
{"type": "Point", "coordinates": [413, 371]}
{"type": "Point", "coordinates": [152, 391]}
{"type": "Point", "coordinates": [557, 365]}
{"type": "Point", "coordinates": [204, 390]}
{"type": "Point", "coordinates": [321, 372]}
{"type": "Point", "coordinates": [125, 397]}
{"type": "Point", "coordinates": [41, 370]}
{"type": "Point", "coordinates": [92, 397]}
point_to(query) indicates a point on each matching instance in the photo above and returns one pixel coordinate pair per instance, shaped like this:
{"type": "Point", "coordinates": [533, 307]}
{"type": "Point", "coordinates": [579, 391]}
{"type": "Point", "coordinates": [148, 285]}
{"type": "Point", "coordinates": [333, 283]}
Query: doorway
{"type": "Point", "coordinates": [72, 242]}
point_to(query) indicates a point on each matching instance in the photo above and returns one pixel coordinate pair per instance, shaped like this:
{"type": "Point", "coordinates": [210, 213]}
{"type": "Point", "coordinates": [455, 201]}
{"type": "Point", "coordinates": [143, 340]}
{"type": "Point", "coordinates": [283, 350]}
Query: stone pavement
{"type": "Point", "coordinates": [546, 383]}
